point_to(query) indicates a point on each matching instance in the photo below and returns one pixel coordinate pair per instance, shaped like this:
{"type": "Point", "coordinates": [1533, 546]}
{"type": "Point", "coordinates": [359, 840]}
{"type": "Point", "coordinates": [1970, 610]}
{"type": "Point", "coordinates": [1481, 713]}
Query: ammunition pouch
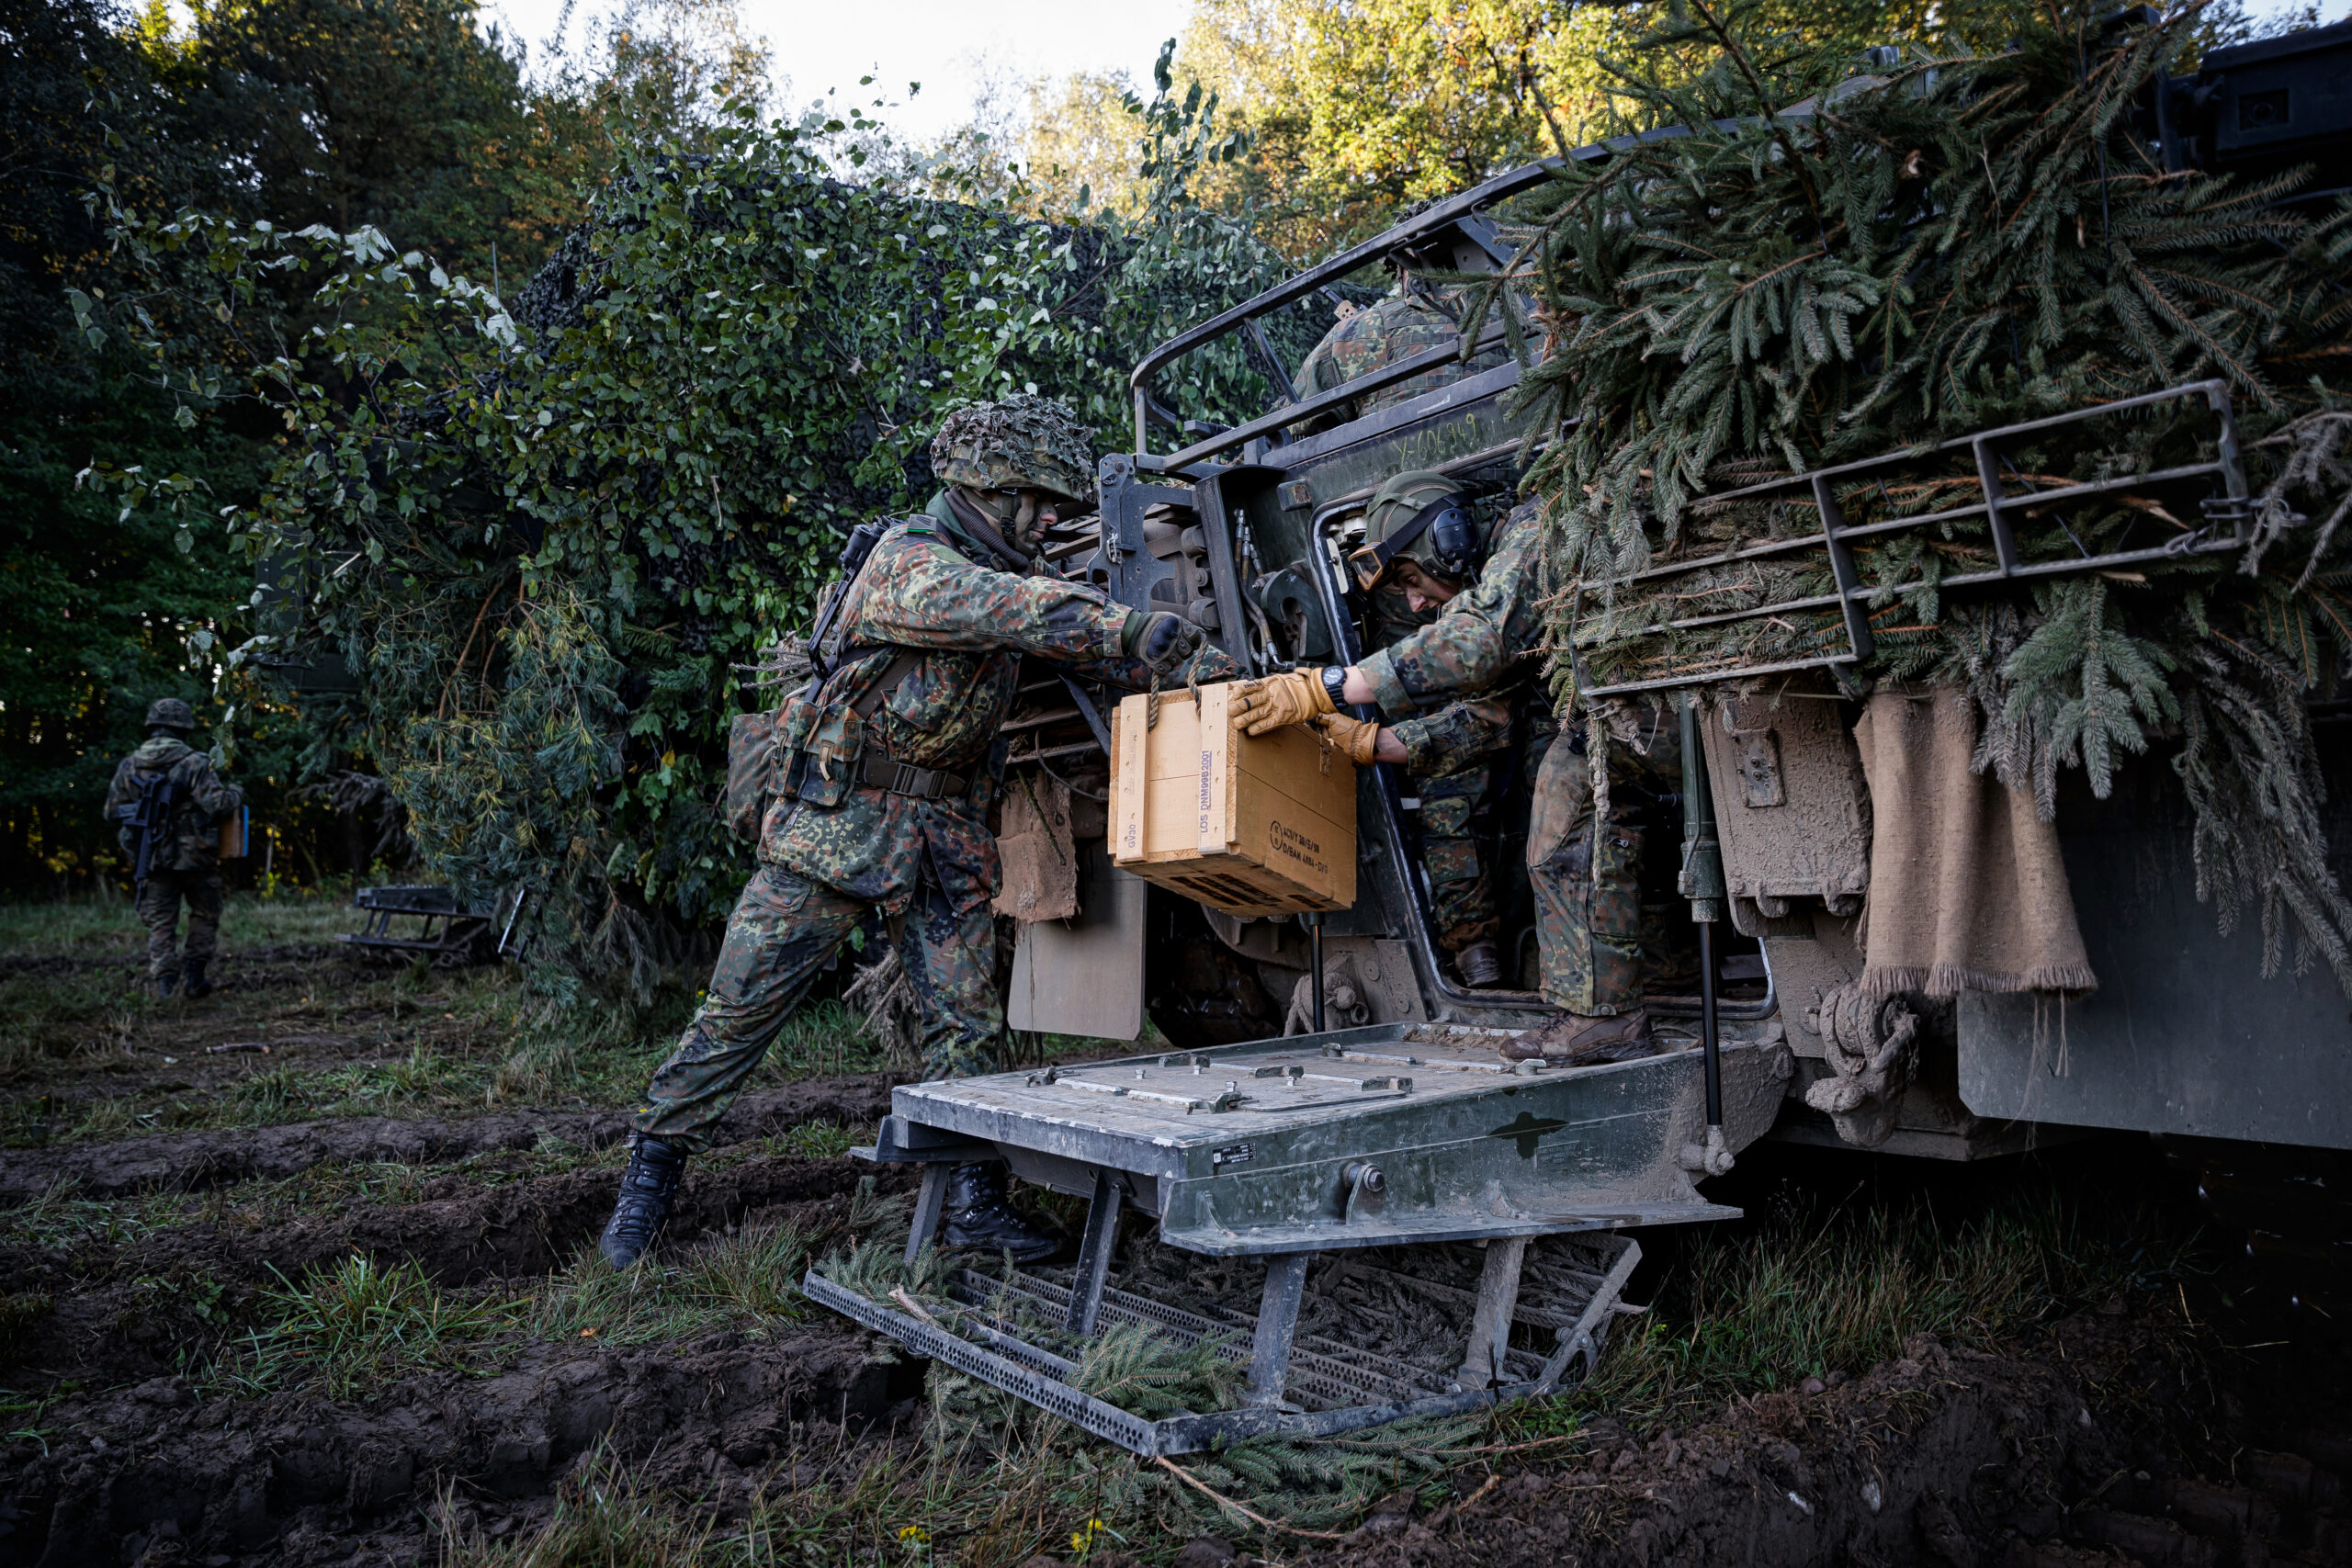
{"type": "Point", "coordinates": [825, 750]}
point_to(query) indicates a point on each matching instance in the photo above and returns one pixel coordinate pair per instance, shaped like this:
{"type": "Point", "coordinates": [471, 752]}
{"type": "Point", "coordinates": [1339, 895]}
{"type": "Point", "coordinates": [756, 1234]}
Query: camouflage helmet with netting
{"type": "Point", "coordinates": [170, 713]}
{"type": "Point", "coordinates": [1019, 442]}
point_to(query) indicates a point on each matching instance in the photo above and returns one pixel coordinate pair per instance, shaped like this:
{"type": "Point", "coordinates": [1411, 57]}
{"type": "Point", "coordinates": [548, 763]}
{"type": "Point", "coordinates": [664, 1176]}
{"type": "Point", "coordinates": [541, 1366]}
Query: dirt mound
{"type": "Point", "coordinates": [292, 1479]}
{"type": "Point", "coordinates": [192, 1161]}
{"type": "Point", "coordinates": [1941, 1456]}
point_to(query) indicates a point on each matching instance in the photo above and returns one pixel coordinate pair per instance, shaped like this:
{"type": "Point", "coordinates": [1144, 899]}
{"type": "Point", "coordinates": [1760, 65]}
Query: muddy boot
{"type": "Point", "coordinates": [648, 1188]}
{"type": "Point", "coordinates": [1479, 965]}
{"type": "Point", "coordinates": [195, 981]}
{"type": "Point", "coordinates": [978, 1217]}
{"type": "Point", "coordinates": [165, 987]}
{"type": "Point", "coordinates": [1574, 1038]}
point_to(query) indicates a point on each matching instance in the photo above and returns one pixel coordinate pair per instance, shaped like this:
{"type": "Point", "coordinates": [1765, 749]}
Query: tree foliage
{"type": "Point", "coordinates": [547, 537]}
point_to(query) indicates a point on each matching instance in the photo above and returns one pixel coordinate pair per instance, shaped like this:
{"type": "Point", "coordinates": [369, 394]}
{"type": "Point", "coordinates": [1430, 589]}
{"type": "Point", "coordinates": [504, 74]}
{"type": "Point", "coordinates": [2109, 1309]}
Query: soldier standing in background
{"type": "Point", "coordinates": [888, 768]}
{"type": "Point", "coordinates": [1416, 316]}
{"type": "Point", "coordinates": [169, 803]}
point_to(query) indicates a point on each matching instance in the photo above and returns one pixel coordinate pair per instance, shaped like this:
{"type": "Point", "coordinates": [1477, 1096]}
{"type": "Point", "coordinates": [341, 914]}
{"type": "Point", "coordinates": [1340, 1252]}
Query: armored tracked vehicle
{"type": "Point", "coordinates": [1333, 1135]}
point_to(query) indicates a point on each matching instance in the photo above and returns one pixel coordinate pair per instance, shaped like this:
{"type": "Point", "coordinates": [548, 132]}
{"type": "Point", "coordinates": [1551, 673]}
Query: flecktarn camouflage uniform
{"type": "Point", "coordinates": [933, 642]}
{"type": "Point", "coordinates": [1466, 677]}
{"type": "Point", "coordinates": [1462, 893]}
{"type": "Point", "coordinates": [1414, 318]}
{"type": "Point", "coordinates": [1591, 939]}
{"type": "Point", "coordinates": [185, 867]}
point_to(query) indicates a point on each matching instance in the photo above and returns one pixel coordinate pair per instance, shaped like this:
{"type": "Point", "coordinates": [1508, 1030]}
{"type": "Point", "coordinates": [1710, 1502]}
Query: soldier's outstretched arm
{"type": "Point", "coordinates": [917, 593]}
{"type": "Point", "coordinates": [1480, 638]}
{"type": "Point", "coordinates": [1460, 732]}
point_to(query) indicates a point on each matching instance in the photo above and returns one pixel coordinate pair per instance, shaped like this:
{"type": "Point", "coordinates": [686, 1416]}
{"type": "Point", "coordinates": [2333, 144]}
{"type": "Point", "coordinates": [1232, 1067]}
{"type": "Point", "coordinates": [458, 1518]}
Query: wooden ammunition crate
{"type": "Point", "coordinates": [1263, 826]}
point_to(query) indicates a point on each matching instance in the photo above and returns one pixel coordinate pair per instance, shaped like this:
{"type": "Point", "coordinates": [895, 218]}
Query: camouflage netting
{"type": "Point", "coordinates": [1020, 440]}
{"type": "Point", "coordinates": [1972, 241]}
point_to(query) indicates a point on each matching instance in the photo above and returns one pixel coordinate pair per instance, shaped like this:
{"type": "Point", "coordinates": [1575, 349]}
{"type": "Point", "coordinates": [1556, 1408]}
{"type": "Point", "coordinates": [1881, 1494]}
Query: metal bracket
{"type": "Point", "coordinates": [1497, 1301]}
{"type": "Point", "coordinates": [931, 1201]}
{"type": "Point", "coordinates": [1277, 1324]}
{"type": "Point", "coordinates": [1094, 1254]}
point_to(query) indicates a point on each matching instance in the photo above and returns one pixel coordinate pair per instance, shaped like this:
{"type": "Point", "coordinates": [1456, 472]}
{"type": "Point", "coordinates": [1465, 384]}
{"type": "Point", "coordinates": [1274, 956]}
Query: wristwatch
{"type": "Point", "coordinates": [1335, 682]}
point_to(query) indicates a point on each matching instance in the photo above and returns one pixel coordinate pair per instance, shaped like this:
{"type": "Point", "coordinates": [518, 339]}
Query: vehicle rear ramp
{"type": "Point", "coordinates": [1376, 1223]}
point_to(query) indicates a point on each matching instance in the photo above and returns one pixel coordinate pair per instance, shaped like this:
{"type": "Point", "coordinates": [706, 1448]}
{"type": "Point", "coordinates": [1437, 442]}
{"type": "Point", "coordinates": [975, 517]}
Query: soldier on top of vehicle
{"type": "Point", "coordinates": [1415, 317]}
{"type": "Point", "coordinates": [889, 767]}
{"type": "Point", "coordinates": [1449, 690]}
{"type": "Point", "coordinates": [168, 804]}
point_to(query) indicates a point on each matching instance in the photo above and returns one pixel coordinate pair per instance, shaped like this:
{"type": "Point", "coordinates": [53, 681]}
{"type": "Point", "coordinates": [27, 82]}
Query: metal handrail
{"type": "Point", "coordinates": [1454, 208]}
{"type": "Point", "coordinates": [1851, 594]}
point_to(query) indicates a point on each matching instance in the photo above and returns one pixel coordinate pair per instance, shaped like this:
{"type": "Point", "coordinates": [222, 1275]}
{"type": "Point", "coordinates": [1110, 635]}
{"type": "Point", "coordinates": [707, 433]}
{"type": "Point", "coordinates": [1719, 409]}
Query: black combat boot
{"type": "Point", "coordinates": [165, 985]}
{"type": "Point", "coordinates": [1480, 965]}
{"type": "Point", "coordinates": [978, 1217]}
{"type": "Point", "coordinates": [648, 1188]}
{"type": "Point", "coordinates": [197, 985]}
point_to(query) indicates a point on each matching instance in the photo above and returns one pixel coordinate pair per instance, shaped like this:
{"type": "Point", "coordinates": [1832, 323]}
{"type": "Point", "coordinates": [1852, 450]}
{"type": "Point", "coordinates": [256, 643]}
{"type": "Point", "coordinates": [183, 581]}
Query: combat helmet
{"type": "Point", "coordinates": [170, 713]}
{"type": "Point", "coordinates": [1418, 516]}
{"type": "Point", "coordinates": [1019, 442]}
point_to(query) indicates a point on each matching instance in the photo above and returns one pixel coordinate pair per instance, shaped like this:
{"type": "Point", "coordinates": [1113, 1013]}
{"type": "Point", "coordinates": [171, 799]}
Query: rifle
{"type": "Point", "coordinates": [148, 817]}
{"type": "Point", "coordinates": [861, 540]}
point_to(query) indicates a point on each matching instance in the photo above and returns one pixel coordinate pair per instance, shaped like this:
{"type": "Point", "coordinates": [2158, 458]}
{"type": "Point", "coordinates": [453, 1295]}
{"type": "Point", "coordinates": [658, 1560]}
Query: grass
{"type": "Point", "coordinates": [1820, 1278]}
{"type": "Point", "coordinates": [1818, 1285]}
{"type": "Point", "coordinates": [106, 925]}
{"type": "Point", "coordinates": [361, 1324]}
{"type": "Point", "coordinates": [748, 1279]}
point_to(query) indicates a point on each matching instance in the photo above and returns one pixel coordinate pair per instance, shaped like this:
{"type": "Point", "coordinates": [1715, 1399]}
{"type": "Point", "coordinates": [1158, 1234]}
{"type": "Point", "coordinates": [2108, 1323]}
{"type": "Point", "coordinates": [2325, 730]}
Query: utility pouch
{"type": "Point", "coordinates": [750, 772]}
{"type": "Point", "coordinates": [796, 723]}
{"type": "Point", "coordinates": [830, 757]}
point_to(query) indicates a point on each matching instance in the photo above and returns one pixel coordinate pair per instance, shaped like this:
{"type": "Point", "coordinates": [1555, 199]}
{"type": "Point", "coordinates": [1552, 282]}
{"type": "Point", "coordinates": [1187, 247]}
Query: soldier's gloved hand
{"type": "Point", "coordinates": [1162, 639]}
{"type": "Point", "coordinates": [1294, 696]}
{"type": "Point", "coordinates": [1353, 736]}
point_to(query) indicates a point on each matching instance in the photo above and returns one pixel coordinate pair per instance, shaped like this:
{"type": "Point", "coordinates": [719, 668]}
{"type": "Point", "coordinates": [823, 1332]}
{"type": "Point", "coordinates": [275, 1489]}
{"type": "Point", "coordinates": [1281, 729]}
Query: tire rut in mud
{"type": "Point", "coordinates": [120, 1313]}
{"type": "Point", "coordinates": [1939, 1457]}
{"type": "Point", "coordinates": [193, 1161]}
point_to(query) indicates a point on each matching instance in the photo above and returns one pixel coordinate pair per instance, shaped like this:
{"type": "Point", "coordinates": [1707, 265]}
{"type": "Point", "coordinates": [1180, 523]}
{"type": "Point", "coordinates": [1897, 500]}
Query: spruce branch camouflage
{"type": "Point", "coordinates": [1020, 441]}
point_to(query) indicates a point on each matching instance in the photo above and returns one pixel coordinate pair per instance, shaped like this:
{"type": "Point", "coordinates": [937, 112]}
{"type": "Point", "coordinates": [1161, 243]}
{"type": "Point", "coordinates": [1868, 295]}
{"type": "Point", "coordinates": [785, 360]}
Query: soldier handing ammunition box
{"type": "Point", "coordinates": [887, 767]}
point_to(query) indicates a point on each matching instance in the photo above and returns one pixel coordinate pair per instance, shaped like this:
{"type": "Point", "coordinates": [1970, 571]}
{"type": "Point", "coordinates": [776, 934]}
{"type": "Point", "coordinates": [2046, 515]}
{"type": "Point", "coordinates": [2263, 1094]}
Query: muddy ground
{"type": "Point", "coordinates": [232, 1332]}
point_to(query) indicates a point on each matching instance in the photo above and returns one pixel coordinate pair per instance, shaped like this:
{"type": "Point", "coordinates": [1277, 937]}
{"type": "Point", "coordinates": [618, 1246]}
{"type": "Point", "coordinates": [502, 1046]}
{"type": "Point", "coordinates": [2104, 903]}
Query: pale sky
{"type": "Point", "coordinates": [818, 46]}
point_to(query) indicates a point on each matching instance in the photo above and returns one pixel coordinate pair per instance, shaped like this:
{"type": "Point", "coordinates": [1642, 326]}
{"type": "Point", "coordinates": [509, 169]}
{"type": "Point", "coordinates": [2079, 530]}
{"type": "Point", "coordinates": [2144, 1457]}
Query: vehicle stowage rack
{"type": "Point", "coordinates": [1376, 1222]}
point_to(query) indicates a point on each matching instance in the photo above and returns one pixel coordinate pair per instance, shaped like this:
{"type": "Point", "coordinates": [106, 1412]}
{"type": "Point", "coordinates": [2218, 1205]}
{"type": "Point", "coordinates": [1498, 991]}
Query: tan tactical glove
{"type": "Point", "coordinates": [1296, 696]}
{"type": "Point", "coordinates": [1353, 736]}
